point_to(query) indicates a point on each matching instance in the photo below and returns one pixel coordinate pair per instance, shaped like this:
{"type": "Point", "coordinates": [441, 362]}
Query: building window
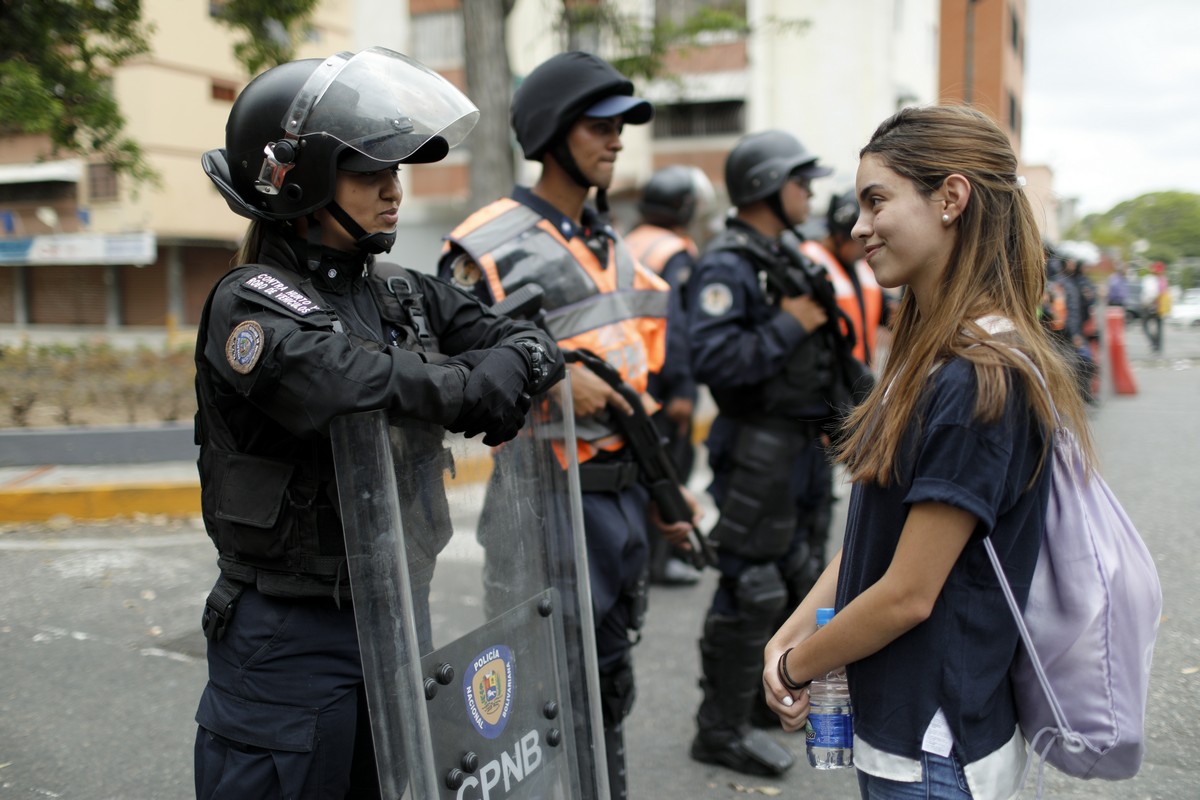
{"type": "Point", "coordinates": [102, 182]}
{"type": "Point", "coordinates": [437, 37]}
{"type": "Point", "coordinates": [679, 12]}
{"type": "Point", "coordinates": [1015, 24]}
{"type": "Point", "coordinates": [215, 6]}
{"type": "Point", "coordinates": [699, 119]}
{"type": "Point", "coordinates": [1014, 113]}
{"type": "Point", "coordinates": [224, 91]}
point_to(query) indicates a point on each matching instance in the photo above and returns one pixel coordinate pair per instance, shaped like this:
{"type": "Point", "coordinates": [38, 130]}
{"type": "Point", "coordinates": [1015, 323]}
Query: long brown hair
{"type": "Point", "coordinates": [997, 266]}
{"type": "Point", "coordinates": [251, 244]}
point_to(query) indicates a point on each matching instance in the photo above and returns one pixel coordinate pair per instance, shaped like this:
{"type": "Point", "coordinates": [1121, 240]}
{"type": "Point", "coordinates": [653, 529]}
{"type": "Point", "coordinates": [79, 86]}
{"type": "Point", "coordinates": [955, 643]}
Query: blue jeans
{"type": "Point", "coordinates": [944, 780]}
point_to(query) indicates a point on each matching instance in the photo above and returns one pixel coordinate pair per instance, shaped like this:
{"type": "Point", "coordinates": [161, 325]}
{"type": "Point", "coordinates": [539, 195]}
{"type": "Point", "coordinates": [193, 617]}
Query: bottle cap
{"type": "Point", "coordinates": [824, 615]}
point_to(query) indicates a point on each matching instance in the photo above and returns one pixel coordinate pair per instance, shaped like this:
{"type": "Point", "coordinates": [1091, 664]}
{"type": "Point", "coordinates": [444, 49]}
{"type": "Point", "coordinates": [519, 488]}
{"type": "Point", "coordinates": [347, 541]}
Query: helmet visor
{"type": "Point", "coordinates": [383, 104]}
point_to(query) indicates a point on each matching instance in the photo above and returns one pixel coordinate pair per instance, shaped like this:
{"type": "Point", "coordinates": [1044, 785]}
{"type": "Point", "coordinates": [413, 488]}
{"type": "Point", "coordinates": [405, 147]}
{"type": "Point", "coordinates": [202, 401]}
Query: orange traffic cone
{"type": "Point", "coordinates": [1122, 376]}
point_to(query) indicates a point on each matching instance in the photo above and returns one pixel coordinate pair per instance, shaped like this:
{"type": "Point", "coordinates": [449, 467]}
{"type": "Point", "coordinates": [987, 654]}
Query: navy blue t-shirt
{"type": "Point", "coordinates": [958, 659]}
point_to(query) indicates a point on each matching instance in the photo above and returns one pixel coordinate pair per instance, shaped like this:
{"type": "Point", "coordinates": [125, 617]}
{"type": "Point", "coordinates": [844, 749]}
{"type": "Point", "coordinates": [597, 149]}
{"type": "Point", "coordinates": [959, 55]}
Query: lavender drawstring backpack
{"type": "Point", "coordinates": [1088, 630]}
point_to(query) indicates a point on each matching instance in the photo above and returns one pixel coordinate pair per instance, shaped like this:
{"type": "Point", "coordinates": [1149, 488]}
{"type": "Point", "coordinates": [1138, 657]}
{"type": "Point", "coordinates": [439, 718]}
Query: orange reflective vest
{"type": "Point", "coordinates": [653, 246]}
{"type": "Point", "coordinates": [617, 310]}
{"type": "Point", "coordinates": [864, 317]}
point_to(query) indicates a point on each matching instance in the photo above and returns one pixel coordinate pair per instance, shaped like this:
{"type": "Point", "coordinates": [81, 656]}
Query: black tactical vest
{"type": "Point", "coordinates": [274, 516]}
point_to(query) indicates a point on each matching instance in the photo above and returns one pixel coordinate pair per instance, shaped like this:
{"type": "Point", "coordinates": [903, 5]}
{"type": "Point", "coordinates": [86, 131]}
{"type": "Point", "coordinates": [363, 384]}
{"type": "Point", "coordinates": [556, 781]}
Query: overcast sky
{"type": "Point", "coordinates": [1112, 97]}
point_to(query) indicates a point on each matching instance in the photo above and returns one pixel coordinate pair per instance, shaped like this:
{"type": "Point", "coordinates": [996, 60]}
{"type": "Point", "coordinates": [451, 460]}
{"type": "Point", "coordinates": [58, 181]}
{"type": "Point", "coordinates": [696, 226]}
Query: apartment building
{"type": "Point", "coordinates": [81, 248]}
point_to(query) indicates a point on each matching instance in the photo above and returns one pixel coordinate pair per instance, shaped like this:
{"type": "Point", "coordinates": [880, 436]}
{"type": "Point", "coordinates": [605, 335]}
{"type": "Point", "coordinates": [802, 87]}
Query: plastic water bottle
{"type": "Point", "coordinates": [829, 732]}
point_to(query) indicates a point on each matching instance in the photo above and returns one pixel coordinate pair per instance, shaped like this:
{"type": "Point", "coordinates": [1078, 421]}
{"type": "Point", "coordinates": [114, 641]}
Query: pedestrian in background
{"type": "Point", "coordinates": [568, 114]}
{"type": "Point", "coordinates": [758, 349]}
{"type": "Point", "coordinates": [661, 241]}
{"type": "Point", "coordinates": [1156, 302]}
{"type": "Point", "coordinates": [309, 326]}
{"type": "Point", "coordinates": [949, 447]}
{"type": "Point", "coordinates": [1117, 288]}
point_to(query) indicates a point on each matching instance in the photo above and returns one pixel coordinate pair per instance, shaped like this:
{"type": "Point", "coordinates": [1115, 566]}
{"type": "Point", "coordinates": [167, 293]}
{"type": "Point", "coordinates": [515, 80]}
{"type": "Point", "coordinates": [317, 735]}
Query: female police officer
{"type": "Point", "coordinates": [308, 327]}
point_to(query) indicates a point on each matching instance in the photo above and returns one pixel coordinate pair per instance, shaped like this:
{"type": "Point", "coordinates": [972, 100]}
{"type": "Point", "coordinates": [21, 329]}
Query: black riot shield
{"type": "Point", "coordinates": [469, 576]}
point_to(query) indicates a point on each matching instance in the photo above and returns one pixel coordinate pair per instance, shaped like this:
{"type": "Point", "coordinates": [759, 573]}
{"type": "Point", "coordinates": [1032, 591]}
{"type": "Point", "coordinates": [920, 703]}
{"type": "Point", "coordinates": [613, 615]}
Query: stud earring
{"type": "Point", "coordinates": [946, 219]}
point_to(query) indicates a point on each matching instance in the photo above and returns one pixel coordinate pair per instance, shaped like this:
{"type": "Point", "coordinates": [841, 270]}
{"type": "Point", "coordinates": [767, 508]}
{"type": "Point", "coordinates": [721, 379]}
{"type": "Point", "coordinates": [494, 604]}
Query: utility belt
{"type": "Point", "coordinates": [221, 604]}
{"type": "Point", "coordinates": [758, 515]}
{"type": "Point", "coordinates": [611, 476]}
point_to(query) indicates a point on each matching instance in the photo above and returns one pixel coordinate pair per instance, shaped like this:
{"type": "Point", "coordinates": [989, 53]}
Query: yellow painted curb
{"type": "Point", "coordinates": [105, 501]}
{"type": "Point", "coordinates": [98, 501]}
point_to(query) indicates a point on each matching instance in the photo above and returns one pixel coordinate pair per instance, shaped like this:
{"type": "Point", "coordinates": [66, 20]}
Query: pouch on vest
{"type": "Point", "coordinates": [249, 495]}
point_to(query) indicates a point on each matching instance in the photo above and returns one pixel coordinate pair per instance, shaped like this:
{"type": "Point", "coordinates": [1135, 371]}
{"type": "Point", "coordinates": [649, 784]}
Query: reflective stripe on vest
{"type": "Point", "coordinates": [847, 298]}
{"type": "Point", "coordinates": [617, 311]}
{"type": "Point", "coordinates": [653, 246]}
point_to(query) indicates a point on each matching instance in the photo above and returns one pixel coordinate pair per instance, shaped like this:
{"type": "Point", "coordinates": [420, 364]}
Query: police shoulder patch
{"type": "Point", "coordinates": [716, 299]}
{"type": "Point", "coordinates": [244, 346]}
{"type": "Point", "coordinates": [464, 272]}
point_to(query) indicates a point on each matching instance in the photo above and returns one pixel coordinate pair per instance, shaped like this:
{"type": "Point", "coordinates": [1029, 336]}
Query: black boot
{"type": "Point", "coordinates": [731, 656]}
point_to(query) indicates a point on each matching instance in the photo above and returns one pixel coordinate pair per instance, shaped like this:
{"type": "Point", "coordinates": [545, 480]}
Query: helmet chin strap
{"type": "Point", "coordinates": [775, 203]}
{"type": "Point", "coordinates": [369, 243]}
{"type": "Point", "coordinates": [562, 154]}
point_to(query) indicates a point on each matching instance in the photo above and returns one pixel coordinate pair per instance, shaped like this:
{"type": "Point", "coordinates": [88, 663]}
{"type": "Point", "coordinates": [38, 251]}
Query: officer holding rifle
{"type": "Point", "coordinates": [767, 339]}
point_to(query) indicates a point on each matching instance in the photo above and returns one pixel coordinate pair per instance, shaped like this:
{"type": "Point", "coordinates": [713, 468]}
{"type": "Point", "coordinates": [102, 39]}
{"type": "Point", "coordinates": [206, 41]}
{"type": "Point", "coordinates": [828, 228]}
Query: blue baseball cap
{"type": "Point", "coordinates": [635, 110]}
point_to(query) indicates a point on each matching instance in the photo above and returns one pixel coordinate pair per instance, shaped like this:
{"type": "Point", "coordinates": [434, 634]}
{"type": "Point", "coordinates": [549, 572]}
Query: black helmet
{"type": "Point", "coordinates": [296, 124]}
{"type": "Point", "coordinates": [843, 213]}
{"type": "Point", "coordinates": [760, 163]}
{"type": "Point", "coordinates": [562, 89]}
{"type": "Point", "coordinates": [672, 194]}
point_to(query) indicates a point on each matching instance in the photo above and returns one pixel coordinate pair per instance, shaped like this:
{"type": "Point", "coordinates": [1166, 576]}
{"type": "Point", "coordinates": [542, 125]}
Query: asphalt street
{"type": "Point", "coordinates": [101, 657]}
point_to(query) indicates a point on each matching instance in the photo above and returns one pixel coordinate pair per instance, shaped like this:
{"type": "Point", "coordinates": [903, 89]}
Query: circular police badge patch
{"type": "Point", "coordinates": [244, 346]}
{"type": "Point", "coordinates": [716, 299]}
{"type": "Point", "coordinates": [488, 690]}
{"type": "Point", "coordinates": [465, 272]}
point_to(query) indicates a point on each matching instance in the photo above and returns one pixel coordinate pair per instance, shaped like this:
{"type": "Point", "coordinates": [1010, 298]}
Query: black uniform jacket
{"type": "Point", "coordinates": [283, 351]}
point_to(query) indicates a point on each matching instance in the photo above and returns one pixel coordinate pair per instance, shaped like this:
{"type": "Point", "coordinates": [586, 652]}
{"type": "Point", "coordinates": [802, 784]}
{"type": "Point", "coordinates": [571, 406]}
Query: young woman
{"type": "Point", "coordinates": [949, 448]}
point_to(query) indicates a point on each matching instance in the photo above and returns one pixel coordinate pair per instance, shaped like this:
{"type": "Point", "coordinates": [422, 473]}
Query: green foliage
{"type": "Point", "coordinates": [1168, 223]}
{"type": "Point", "coordinates": [271, 28]}
{"type": "Point", "coordinates": [56, 59]}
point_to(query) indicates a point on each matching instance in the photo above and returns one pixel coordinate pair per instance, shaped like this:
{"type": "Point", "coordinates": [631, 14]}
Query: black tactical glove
{"type": "Point", "coordinates": [496, 396]}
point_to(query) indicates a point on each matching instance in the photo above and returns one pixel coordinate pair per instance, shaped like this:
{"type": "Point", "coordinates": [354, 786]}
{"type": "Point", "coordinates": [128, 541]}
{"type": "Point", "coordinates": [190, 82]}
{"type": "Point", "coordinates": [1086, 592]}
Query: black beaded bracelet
{"type": "Point", "coordinates": [786, 678]}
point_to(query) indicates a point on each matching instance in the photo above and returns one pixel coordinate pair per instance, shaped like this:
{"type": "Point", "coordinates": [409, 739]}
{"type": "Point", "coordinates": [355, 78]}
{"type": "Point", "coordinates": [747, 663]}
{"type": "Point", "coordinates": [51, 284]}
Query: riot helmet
{"type": "Point", "coordinates": [564, 88]}
{"type": "Point", "coordinates": [672, 195]}
{"type": "Point", "coordinates": [760, 163]}
{"type": "Point", "coordinates": [843, 214]}
{"type": "Point", "coordinates": [296, 124]}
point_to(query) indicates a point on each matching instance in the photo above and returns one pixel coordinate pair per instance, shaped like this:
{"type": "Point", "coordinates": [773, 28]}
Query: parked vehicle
{"type": "Point", "coordinates": [1133, 300]}
{"type": "Point", "coordinates": [1186, 310]}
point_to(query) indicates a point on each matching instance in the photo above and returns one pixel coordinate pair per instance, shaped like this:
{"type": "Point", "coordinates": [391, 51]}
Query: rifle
{"type": "Point", "coordinates": [852, 381]}
{"type": "Point", "coordinates": [656, 471]}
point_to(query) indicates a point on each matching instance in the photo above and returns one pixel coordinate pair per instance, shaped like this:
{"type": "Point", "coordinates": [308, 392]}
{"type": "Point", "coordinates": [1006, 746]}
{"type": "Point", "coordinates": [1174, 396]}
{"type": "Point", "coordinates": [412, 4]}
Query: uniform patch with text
{"type": "Point", "coordinates": [269, 286]}
{"type": "Point", "coordinates": [488, 690]}
{"type": "Point", "coordinates": [244, 346]}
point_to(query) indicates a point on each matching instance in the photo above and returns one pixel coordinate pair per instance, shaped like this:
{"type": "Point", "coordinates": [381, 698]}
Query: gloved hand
{"type": "Point", "coordinates": [496, 395]}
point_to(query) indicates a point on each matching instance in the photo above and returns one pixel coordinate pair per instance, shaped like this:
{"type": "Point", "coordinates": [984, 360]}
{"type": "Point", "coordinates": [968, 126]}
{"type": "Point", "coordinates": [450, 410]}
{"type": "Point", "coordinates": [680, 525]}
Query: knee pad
{"type": "Point", "coordinates": [761, 593]}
